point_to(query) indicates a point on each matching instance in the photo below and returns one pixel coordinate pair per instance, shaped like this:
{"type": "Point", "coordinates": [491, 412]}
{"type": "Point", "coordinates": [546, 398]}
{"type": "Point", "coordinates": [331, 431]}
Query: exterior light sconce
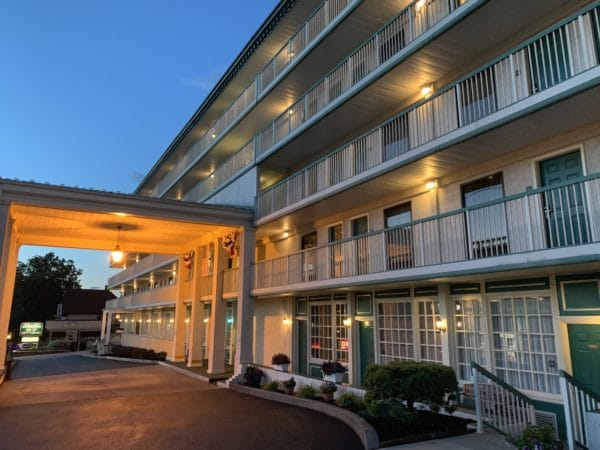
{"type": "Point", "coordinates": [290, 111]}
{"type": "Point", "coordinates": [347, 322]}
{"type": "Point", "coordinates": [427, 90]}
{"type": "Point", "coordinates": [206, 320]}
{"type": "Point", "coordinates": [287, 322]}
{"type": "Point", "coordinates": [187, 320]}
{"type": "Point", "coordinates": [432, 184]}
{"type": "Point", "coordinates": [117, 254]}
{"type": "Point", "coordinates": [286, 234]}
{"type": "Point", "coordinates": [118, 317]}
{"type": "Point", "coordinates": [419, 4]}
{"type": "Point", "coordinates": [213, 135]}
{"type": "Point", "coordinates": [440, 324]}
{"type": "Point", "coordinates": [212, 175]}
{"type": "Point", "coordinates": [9, 336]}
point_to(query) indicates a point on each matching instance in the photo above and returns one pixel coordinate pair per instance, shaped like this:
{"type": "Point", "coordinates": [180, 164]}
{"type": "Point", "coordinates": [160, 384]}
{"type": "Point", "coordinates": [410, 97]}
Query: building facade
{"type": "Point", "coordinates": [425, 178]}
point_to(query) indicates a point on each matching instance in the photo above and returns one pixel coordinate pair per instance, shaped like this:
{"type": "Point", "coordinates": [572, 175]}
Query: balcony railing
{"type": "Point", "coordinates": [206, 285]}
{"type": "Point", "coordinates": [578, 400]}
{"type": "Point", "coordinates": [552, 58]}
{"type": "Point", "coordinates": [412, 22]}
{"type": "Point", "coordinates": [316, 23]}
{"type": "Point", "coordinates": [230, 282]}
{"type": "Point", "coordinates": [323, 16]}
{"type": "Point", "coordinates": [560, 215]}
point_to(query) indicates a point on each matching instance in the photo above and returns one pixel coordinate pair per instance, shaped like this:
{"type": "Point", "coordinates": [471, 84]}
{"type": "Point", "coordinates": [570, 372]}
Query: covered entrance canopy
{"type": "Point", "coordinates": [40, 214]}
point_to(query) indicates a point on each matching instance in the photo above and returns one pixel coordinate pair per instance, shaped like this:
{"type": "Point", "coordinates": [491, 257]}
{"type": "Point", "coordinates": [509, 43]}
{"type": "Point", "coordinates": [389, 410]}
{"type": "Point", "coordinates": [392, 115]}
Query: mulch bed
{"type": "Point", "coordinates": [426, 426]}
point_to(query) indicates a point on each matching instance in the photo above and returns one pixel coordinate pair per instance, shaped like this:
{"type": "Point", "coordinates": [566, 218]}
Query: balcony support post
{"type": "Point", "coordinates": [9, 251]}
{"type": "Point", "coordinates": [196, 325]}
{"type": "Point", "coordinates": [178, 351]}
{"type": "Point", "coordinates": [245, 307]}
{"type": "Point", "coordinates": [216, 324]}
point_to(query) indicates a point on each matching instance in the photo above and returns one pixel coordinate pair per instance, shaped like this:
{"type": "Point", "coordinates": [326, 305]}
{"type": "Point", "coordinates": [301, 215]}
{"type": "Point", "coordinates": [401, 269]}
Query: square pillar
{"type": "Point", "coordinates": [216, 352]}
{"type": "Point", "coordinates": [9, 252]}
{"type": "Point", "coordinates": [245, 308]}
{"type": "Point", "coordinates": [109, 319]}
{"type": "Point", "coordinates": [178, 351]}
{"type": "Point", "coordinates": [196, 325]}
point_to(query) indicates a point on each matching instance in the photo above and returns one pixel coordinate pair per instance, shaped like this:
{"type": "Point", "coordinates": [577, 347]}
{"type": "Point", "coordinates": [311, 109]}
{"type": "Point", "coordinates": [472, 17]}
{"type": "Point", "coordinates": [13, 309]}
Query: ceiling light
{"type": "Point", "coordinates": [117, 253]}
{"type": "Point", "coordinates": [431, 184]}
{"type": "Point", "coordinates": [214, 135]}
{"type": "Point", "coordinates": [426, 91]}
{"type": "Point", "coordinates": [286, 234]}
{"type": "Point", "coordinates": [420, 4]}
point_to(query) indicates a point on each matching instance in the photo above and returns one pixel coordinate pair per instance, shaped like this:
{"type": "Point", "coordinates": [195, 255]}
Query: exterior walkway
{"type": "Point", "coordinates": [116, 405]}
{"type": "Point", "coordinates": [490, 440]}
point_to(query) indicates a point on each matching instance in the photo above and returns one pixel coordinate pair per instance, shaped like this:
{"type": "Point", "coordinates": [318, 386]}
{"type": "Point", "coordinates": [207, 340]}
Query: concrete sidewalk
{"type": "Point", "coordinates": [490, 440]}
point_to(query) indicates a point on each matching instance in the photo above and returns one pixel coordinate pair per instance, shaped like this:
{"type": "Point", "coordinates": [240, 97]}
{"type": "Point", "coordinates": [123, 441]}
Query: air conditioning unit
{"type": "Point", "coordinates": [547, 418]}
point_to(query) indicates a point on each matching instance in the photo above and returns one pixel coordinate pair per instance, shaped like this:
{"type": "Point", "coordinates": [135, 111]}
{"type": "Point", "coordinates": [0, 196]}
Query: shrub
{"type": "Point", "coordinates": [280, 358]}
{"type": "Point", "coordinates": [161, 356]}
{"type": "Point", "coordinates": [327, 388]}
{"type": "Point", "coordinates": [331, 367]}
{"type": "Point", "coordinates": [272, 386]}
{"type": "Point", "coordinates": [253, 376]}
{"type": "Point", "coordinates": [350, 402]}
{"type": "Point", "coordinates": [291, 383]}
{"type": "Point", "coordinates": [58, 344]}
{"type": "Point", "coordinates": [307, 391]}
{"type": "Point", "coordinates": [409, 382]}
{"type": "Point", "coordinates": [535, 437]}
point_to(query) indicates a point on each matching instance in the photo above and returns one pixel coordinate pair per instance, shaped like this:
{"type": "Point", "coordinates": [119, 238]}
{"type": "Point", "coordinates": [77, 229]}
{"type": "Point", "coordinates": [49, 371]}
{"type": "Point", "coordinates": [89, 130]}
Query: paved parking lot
{"type": "Point", "coordinates": [113, 405]}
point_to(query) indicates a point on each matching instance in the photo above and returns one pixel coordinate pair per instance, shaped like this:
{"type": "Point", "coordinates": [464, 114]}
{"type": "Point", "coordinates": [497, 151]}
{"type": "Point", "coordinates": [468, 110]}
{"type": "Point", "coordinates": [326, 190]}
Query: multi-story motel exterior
{"type": "Point", "coordinates": [425, 178]}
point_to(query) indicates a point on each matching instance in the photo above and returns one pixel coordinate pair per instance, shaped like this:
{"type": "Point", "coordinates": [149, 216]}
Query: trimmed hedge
{"type": "Point", "coordinates": [410, 382]}
{"type": "Point", "coordinates": [137, 353]}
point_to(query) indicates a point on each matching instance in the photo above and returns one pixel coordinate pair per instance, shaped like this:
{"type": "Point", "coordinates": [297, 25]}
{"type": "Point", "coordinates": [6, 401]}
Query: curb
{"type": "Point", "coordinates": [360, 426]}
{"type": "Point", "coordinates": [184, 372]}
{"type": "Point", "coordinates": [118, 358]}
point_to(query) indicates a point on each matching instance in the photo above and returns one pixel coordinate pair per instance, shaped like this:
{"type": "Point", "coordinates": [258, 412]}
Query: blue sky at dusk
{"type": "Point", "coordinates": [93, 92]}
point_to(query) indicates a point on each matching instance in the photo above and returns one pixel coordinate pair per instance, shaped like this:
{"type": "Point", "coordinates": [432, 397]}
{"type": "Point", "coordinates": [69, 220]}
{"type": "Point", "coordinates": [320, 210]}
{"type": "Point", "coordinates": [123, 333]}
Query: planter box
{"type": "Point", "coordinates": [281, 367]}
{"type": "Point", "coordinates": [334, 377]}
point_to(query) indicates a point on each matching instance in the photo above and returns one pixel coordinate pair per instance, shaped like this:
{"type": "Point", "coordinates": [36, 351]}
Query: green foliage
{"type": "Point", "coordinates": [409, 382]}
{"type": "Point", "coordinates": [272, 386]}
{"type": "Point", "coordinates": [40, 284]}
{"type": "Point", "coordinates": [307, 391]}
{"type": "Point", "coordinates": [536, 436]}
{"type": "Point", "coordinates": [327, 388]}
{"type": "Point", "coordinates": [331, 367]}
{"type": "Point", "coordinates": [58, 344]}
{"type": "Point", "coordinates": [291, 383]}
{"type": "Point", "coordinates": [390, 408]}
{"type": "Point", "coordinates": [350, 402]}
{"type": "Point", "coordinates": [280, 358]}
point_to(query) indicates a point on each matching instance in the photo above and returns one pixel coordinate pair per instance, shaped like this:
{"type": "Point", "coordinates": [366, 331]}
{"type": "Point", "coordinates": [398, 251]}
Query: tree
{"type": "Point", "coordinates": [40, 285]}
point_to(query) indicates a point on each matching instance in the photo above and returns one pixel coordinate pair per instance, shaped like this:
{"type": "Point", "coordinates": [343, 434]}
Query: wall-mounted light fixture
{"type": "Point", "coordinates": [287, 322]}
{"type": "Point", "coordinates": [431, 184]}
{"type": "Point", "coordinates": [419, 4]}
{"type": "Point", "coordinates": [206, 320]}
{"type": "Point", "coordinates": [441, 325]}
{"type": "Point", "coordinates": [286, 234]}
{"type": "Point", "coordinates": [427, 90]}
{"type": "Point", "coordinates": [347, 322]}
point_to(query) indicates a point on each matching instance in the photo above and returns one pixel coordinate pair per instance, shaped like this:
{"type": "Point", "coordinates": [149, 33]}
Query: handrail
{"type": "Point", "coordinates": [437, 97]}
{"type": "Point", "coordinates": [454, 212]}
{"type": "Point", "coordinates": [571, 379]}
{"type": "Point", "coordinates": [500, 382]}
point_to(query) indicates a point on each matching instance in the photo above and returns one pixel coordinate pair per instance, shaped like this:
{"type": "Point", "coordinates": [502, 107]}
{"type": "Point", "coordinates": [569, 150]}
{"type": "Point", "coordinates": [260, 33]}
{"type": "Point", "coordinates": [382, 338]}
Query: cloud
{"type": "Point", "coordinates": [203, 82]}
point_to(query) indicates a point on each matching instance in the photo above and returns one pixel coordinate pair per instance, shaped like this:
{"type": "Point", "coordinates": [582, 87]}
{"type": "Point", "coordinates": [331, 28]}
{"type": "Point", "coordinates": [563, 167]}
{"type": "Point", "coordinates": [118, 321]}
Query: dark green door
{"type": "Point", "coordinates": [302, 351]}
{"type": "Point", "coordinates": [564, 206]}
{"type": "Point", "coordinates": [367, 347]}
{"type": "Point", "coordinates": [584, 341]}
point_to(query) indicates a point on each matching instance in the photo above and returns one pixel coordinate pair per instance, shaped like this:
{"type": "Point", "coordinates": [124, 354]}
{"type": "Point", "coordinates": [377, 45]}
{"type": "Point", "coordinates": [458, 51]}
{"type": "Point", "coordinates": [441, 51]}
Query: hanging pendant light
{"type": "Point", "coordinates": [117, 254]}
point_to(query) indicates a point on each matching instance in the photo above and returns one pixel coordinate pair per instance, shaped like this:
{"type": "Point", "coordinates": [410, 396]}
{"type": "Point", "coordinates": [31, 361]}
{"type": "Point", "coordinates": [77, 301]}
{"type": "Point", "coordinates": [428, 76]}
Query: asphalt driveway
{"type": "Point", "coordinates": [111, 405]}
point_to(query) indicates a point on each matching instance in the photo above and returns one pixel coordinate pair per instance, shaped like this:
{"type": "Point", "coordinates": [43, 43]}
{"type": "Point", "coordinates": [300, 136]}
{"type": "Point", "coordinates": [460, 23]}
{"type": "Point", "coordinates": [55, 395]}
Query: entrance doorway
{"type": "Point", "coordinates": [584, 341]}
{"type": "Point", "coordinates": [366, 338]}
{"type": "Point", "coordinates": [230, 313]}
{"type": "Point", "coordinates": [564, 205]}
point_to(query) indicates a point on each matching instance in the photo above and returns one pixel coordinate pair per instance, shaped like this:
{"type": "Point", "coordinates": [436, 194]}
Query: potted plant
{"type": "Point", "coordinates": [289, 386]}
{"type": "Point", "coordinates": [253, 376]}
{"type": "Point", "coordinates": [327, 389]}
{"type": "Point", "coordinates": [333, 371]}
{"type": "Point", "coordinates": [280, 361]}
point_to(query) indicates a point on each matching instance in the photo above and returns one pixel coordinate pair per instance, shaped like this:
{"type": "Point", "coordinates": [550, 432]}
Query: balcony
{"type": "Point", "coordinates": [151, 297]}
{"type": "Point", "coordinates": [508, 232]}
{"type": "Point", "coordinates": [555, 64]}
{"type": "Point", "coordinates": [230, 283]}
{"type": "Point", "coordinates": [143, 267]}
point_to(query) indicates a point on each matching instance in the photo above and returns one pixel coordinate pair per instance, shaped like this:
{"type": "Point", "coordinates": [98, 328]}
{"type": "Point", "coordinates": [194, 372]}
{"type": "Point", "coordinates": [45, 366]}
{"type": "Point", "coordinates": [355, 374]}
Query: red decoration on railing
{"type": "Point", "coordinates": [229, 242]}
{"type": "Point", "coordinates": [188, 259]}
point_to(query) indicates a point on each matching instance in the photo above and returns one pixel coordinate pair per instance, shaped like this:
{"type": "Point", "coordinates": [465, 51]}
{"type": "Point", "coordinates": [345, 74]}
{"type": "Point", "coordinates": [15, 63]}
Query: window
{"type": "Point", "coordinates": [523, 342]}
{"type": "Point", "coordinates": [470, 338]}
{"type": "Point", "coordinates": [430, 345]}
{"type": "Point", "coordinates": [309, 265]}
{"type": "Point", "coordinates": [329, 337]}
{"type": "Point", "coordinates": [399, 237]}
{"type": "Point", "coordinates": [396, 339]}
{"type": "Point", "coordinates": [336, 255]}
{"type": "Point", "coordinates": [309, 240]}
{"type": "Point", "coordinates": [360, 226]}
{"type": "Point", "coordinates": [486, 226]}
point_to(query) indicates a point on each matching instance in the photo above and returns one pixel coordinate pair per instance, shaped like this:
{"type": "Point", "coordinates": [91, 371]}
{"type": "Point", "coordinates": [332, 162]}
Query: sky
{"type": "Point", "coordinates": [93, 92]}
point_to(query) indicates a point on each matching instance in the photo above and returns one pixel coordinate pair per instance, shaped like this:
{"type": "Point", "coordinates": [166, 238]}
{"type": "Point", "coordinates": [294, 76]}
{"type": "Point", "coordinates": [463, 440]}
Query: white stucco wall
{"type": "Point", "coordinates": [156, 344]}
{"type": "Point", "coordinates": [270, 334]}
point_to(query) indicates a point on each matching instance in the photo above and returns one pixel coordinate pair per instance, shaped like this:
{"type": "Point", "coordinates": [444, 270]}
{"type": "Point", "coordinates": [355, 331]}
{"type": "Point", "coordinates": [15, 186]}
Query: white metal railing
{"type": "Point", "coordinates": [244, 101]}
{"type": "Point", "coordinates": [499, 405]}
{"type": "Point", "coordinates": [561, 53]}
{"type": "Point", "coordinates": [414, 20]}
{"type": "Point", "coordinates": [560, 215]}
{"type": "Point", "coordinates": [230, 281]}
{"type": "Point", "coordinates": [577, 401]}
{"type": "Point", "coordinates": [206, 285]}
{"type": "Point", "coordinates": [325, 13]}
{"type": "Point", "coordinates": [223, 173]}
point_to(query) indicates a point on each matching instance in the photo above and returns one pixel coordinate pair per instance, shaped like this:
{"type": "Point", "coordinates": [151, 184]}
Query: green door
{"type": "Point", "coordinates": [367, 347]}
{"type": "Point", "coordinates": [302, 350]}
{"type": "Point", "coordinates": [584, 341]}
{"type": "Point", "coordinates": [564, 206]}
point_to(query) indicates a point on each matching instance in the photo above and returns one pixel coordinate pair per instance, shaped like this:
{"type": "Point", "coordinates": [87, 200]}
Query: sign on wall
{"type": "Point", "coordinates": [31, 329]}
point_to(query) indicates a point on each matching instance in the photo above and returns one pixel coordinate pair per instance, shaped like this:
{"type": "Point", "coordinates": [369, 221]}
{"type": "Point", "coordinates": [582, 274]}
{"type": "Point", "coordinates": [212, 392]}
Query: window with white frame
{"type": "Point", "coordinates": [430, 338]}
{"type": "Point", "coordinates": [396, 336]}
{"type": "Point", "coordinates": [470, 337]}
{"type": "Point", "coordinates": [523, 342]}
{"type": "Point", "coordinates": [329, 335]}
{"type": "Point", "coordinates": [341, 333]}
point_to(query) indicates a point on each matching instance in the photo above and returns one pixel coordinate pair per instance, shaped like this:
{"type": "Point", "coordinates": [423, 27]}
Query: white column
{"type": "Point", "coordinates": [446, 315]}
{"type": "Point", "coordinates": [196, 325]}
{"type": "Point", "coordinates": [9, 251]}
{"type": "Point", "coordinates": [109, 318]}
{"type": "Point", "coordinates": [178, 351]}
{"type": "Point", "coordinates": [103, 328]}
{"type": "Point", "coordinates": [216, 353]}
{"type": "Point", "coordinates": [245, 307]}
